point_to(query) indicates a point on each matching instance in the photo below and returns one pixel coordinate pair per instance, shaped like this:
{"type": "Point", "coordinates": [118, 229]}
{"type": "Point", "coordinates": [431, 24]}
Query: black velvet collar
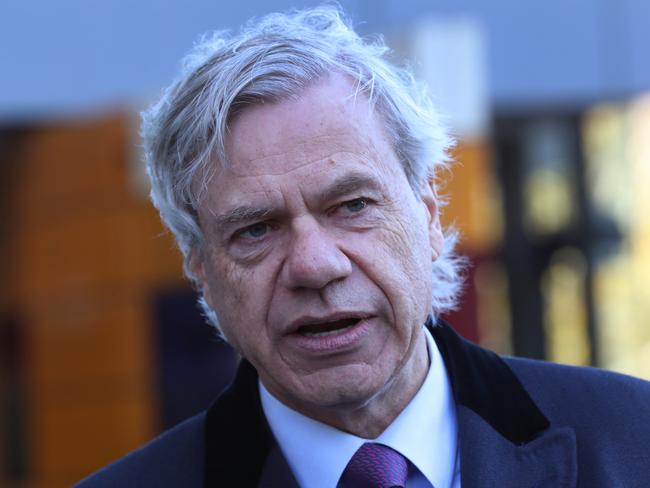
{"type": "Point", "coordinates": [238, 438]}
{"type": "Point", "coordinates": [484, 383]}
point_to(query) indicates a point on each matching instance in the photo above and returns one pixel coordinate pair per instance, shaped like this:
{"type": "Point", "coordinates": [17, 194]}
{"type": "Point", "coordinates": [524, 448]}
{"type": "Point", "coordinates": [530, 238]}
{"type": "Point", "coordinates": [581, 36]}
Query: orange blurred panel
{"type": "Point", "coordinates": [80, 160]}
{"type": "Point", "coordinates": [80, 435]}
{"type": "Point", "coordinates": [87, 253]}
{"type": "Point", "coordinates": [114, 246]}
{"type": "Point", "coordinates": [474, 201]}
{"type": "Point", "coordinates": [91, 337]}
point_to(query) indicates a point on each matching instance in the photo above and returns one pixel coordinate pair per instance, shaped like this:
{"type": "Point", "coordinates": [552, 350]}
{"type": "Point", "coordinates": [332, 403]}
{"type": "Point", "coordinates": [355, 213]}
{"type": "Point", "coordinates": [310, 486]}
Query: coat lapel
{"type": "Point", "coordinates": [240, 448]}
{"type": "Point", "coordinates": [487, 459]}
{"type": "Point", "coordinates": [504, 439]}
{"type": "Point", "coordinates": [235, 437]}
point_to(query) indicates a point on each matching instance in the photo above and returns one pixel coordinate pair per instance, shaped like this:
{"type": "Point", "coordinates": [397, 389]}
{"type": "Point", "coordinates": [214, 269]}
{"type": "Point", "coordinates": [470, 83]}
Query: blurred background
{"type": "Point", "coordinates": [101, 344]}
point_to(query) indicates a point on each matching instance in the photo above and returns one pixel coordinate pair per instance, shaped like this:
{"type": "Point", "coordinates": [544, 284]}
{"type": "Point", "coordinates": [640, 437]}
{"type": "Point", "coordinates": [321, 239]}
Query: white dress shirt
{"type": "Point", "coordinates": [425, 432]}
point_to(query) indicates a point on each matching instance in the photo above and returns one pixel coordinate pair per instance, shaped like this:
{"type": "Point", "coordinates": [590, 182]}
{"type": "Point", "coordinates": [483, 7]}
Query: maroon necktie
{"type": "Point", "coordinates": [375, 466]}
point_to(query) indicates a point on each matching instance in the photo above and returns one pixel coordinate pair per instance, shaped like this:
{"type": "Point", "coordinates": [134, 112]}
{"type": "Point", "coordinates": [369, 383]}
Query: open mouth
{"type": "Point", "coordinates": [327, 328]}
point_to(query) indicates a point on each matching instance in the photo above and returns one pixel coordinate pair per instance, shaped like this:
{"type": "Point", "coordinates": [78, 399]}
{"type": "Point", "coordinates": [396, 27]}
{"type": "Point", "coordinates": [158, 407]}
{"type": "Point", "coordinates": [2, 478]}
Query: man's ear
{"type": "Point", "coordinates": [430, 200]}
{"type": "Point", "coordinates": [197, 268]}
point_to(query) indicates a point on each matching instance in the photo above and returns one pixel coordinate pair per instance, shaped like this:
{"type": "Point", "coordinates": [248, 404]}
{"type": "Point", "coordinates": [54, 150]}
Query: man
{"type": "Point", "coordinates": [297, 169]}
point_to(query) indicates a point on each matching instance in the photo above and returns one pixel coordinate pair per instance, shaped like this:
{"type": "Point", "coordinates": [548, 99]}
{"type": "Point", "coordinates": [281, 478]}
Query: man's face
{"type": "Point", "coordinates": [318, 253]}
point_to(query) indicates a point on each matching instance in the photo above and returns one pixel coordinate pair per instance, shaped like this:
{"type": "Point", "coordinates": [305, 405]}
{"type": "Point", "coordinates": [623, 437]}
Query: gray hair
{"type": "Point", "coordinates": [271, 60]}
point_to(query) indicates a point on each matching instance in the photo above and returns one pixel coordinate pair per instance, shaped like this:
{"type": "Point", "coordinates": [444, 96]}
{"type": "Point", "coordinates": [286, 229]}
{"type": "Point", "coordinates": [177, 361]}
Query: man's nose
{"type": "Point", "coordinates": [313, 258]}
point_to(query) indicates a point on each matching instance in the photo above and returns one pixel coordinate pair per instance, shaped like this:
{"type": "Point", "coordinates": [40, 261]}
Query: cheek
{"type": "Point", "coordinates": [406, 239]}
{"type": "Point", "coordinates": [238, 296]}
{"type": "Point", "coordinates": [402, 266]}
{"type": "Point", "coordinates": [227, 287]}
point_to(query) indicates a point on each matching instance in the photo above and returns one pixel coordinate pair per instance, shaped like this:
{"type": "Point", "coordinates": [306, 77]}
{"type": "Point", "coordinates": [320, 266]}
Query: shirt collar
{"type": "Point", "coordinates": [425, 432]}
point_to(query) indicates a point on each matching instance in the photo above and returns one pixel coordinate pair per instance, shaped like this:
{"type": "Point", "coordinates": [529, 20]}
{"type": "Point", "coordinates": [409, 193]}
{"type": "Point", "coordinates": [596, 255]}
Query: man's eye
{"type": "Point", "coordinates": [356, 205]}
{"type": "Point", "coordinates": [255, 231]}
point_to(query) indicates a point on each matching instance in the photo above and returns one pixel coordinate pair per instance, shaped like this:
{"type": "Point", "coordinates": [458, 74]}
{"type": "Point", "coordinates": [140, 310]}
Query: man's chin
{"type": "Point", "coordinates": [339, 389]}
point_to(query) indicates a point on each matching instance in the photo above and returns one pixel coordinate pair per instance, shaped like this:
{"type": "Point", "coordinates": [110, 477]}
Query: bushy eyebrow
{"type": "Point", "coordinates": [241, 214]}
{"type": "Point", "coordinates": [341, 186]}
{"type": "Point", "coordinates": [349, 183]}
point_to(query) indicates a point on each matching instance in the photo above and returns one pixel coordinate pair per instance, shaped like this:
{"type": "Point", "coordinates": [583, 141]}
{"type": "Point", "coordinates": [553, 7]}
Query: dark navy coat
{"type": "Point", "coordinates": [522, 423]}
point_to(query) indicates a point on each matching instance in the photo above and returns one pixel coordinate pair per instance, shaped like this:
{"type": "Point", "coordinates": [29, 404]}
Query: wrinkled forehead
{"type": "Point", "coordinates": [330, 116]}
{"type": "Point", "coordinates": [328, 133]}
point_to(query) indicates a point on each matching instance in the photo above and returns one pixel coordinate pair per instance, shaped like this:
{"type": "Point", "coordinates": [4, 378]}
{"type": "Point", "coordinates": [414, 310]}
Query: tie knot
{"type": "Point", "coordinates": [375, 466]}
